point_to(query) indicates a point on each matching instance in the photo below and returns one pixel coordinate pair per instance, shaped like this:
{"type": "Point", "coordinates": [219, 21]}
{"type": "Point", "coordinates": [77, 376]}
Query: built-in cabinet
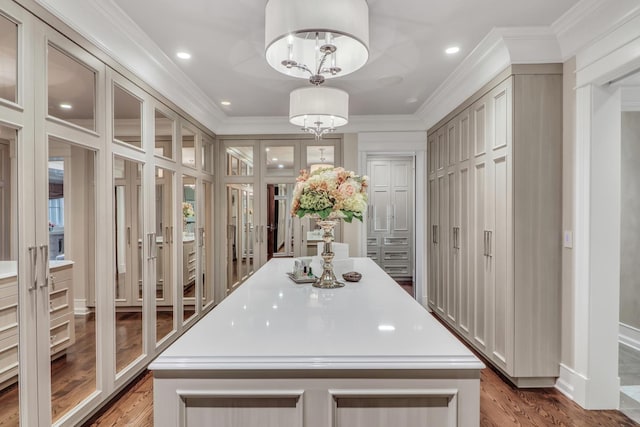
{"type": "Point", "coordinates": [61, 323]}
{"type": "Point", "coordinates": [390, 215]}
{"type": "Point", "coordinates": [495, 218]}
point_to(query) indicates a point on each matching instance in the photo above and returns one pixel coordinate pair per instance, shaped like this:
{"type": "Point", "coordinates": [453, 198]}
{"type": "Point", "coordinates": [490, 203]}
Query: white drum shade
{"type": "Point", "coordinates": [296, 22]}
{"type": "Point", "coordinates": [319, 107]}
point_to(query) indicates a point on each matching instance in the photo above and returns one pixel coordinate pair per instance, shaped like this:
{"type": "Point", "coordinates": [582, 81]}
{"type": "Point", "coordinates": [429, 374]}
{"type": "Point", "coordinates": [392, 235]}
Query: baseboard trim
{"type": "Point", "coordinates": [572, 384]}
{"type": "Point", "coordinates": [80, 307]}
{"type": "Point", "coordinates": [629, 336]}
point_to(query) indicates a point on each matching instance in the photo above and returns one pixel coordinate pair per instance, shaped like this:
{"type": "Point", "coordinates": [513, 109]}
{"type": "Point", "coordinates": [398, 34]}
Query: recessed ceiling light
{"type": "Point", "coordinates": [267, 150]}
{"type": "Point", "coordinates": [225, 103]}
{"type": "Point", "coordinates": [411, 100]}
{"type": "Point", "coordinates": [66, 106]}
{"type": "Point", "coordinates": [183, 55]}
{"type": "Point", "coordinates": [275, 159]}
{"type": "Point", "coordinates": [451, 50]}
{"type": "Point", "coordinates": [280, 166]}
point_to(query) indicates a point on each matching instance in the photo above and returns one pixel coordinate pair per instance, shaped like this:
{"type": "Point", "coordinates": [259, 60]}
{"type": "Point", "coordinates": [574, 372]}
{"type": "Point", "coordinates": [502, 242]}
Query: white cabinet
{"type": "Point", "coordinates": [61, 325]}
{"type": "Point", "coordinates": [495, 194]}
{"type": "Point", "coordinates": [390, 225]}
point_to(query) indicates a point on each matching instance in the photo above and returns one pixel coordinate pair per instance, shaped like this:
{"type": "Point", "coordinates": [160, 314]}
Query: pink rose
{"type": "Point", "coordinates": [347, 189]}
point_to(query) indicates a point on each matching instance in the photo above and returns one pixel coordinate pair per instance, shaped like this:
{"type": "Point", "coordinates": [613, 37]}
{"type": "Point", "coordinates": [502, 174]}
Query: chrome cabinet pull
{"type": "Point", "coordinates": [485, 243]}
{"type": "Point", "coordinates": [44, 249]}
{"type": "Point", "coordinates": [262, 234]}
{"type": "Point", "coordinates": [152, 247]}
{"type": "Point", "coordinates": [33, 255]}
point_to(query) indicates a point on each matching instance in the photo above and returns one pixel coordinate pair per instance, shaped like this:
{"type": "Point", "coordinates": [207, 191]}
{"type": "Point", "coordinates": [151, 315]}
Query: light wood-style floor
{"type": "Point", "coordinates": [501, 405]}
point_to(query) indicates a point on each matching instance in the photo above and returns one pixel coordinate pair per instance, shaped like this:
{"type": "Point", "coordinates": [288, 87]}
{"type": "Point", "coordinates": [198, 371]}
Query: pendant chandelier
{"type": "Point", "coordinates": [318, 110]}
{"type": "Point", "coordinates": [306, 39]}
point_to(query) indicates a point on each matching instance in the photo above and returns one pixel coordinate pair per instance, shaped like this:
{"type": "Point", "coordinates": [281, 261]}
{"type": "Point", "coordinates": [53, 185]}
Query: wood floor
{"type": "Point", "coordinates": [73, 376]}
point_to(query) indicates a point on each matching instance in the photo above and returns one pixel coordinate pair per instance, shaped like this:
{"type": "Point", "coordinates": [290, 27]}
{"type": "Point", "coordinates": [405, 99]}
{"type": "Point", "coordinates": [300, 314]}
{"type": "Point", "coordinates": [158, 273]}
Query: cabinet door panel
{"type": "Point", "coordinates": [443, 247]}
{"type": "Point", "coordinates": [433, 253]}
{"type": "Point", "coordinates": [480, 258]}
{"type": "Point", "coordinates": [442, 148]}
{"type": "Point", "coordinates": [502, 321]}
{"type": "Point", "coordinates": [479, 112]}
{"type": "Point", "coordinates": [463, 130]}
{"type": "Point", "coordinates": [464, 252]}
{"type": "Point", "coordinates": [452, 283]}
{"type": "Point", "coordinates": [452, 143]}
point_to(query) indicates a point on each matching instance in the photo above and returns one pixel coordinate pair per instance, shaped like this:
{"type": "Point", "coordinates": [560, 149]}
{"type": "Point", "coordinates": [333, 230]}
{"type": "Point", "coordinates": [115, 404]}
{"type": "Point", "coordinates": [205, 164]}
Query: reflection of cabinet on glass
{"type": "Point", "coordinates": [61, 326]}
{"type": "Point", "coordinates": [188, 261]}
{"type": "Point", "coordinates": [128, 228]}
{"type": "Point", "coordinates": [239, 162]}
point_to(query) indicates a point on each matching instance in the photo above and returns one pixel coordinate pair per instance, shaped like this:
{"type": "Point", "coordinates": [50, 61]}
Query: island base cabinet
{"type": "Point", "coordinates": [429, 398]}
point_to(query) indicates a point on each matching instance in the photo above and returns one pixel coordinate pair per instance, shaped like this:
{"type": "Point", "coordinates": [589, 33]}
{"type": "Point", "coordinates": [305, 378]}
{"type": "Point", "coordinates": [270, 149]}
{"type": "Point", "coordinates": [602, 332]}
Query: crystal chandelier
{"type": "Point", "coordinates": [318, 110]}
{"type": "Point", "coordinates": [307, 41]}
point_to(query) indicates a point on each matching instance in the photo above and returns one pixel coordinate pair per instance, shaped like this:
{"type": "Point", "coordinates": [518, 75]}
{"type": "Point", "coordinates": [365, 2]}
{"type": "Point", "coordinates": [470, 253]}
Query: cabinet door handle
{"type": "Point", "coordinates": [151, 241]}
{"type": "Point", "coordinates": [171, 234]}
{"type": "Point", "coordinates": [485, 243]}
{"type": "Point", "coordinates": [33, 255]}
{"type": "Point", "coordinates": [128, 235]}
{"type": "Point", "coordinates": [44, 249]}
{"type": "Point", "coordinates": [166, 235]}
{"type": "Point", "coordinates": [262, 234]}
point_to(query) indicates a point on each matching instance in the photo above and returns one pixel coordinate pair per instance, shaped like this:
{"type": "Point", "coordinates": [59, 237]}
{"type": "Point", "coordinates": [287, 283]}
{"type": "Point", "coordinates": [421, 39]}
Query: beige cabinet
{"type": "Point", "coordinates": [495, 180]}
{"type": "Point", "coordinates": [61, 325]}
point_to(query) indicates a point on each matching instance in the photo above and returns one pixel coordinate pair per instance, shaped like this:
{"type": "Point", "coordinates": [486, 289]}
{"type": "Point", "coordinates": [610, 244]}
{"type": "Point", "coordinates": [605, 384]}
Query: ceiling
{"type": "Point", "coordinates": [407, 42]}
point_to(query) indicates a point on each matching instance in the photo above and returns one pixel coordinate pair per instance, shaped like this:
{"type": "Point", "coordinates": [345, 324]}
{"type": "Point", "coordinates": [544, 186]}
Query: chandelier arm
{"type": "Point", "coordinates": [322, 61]}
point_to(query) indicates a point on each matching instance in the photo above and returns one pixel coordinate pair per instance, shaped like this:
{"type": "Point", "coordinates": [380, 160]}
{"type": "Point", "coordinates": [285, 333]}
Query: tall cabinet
{"type": "Point", "coordinates": [495, 199]}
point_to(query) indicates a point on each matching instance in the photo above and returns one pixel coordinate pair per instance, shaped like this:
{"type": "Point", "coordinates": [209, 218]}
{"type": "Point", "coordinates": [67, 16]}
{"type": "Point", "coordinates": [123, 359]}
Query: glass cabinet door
{"type": "Point", "coordinates": [189, 253]}
{"type": "Point", "coordinates": [71, 277]}
{"type": "Point", "coordinates": [165, 287]}
{"type": "Point", "coordinates": [127, 176]}
{"type": "Point", "coordinates": [11, 303]}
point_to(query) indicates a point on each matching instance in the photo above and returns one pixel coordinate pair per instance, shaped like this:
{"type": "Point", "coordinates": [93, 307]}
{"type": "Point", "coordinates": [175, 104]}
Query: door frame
{"type": "Point", "coordinates": [407, 144]}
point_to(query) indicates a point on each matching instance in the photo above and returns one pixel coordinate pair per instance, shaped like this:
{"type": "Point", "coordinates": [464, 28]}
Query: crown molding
{"type": "Point", "coordinates": [281, 125]}
{"type": "Point", "coordinates": [589, 21]}
{"type": "Point", "coordinates": [105, 25]}
{"type": "Point", "coordinates": [499, 49]}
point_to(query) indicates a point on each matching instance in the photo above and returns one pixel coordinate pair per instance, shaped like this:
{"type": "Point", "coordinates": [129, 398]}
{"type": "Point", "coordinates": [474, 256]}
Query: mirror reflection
{"type": "Point", "coordinates": [71, 89]}
{"type": "Point", "coordinates": [8, 59]}
{"type": "Point", "coordinates": [163, 135]}
{"type": "Point", "coordinates": [72, 245]}
{"type": "Point", "coordinates": [240, 233]}
{"type": "Point", "coordinates": [164, 246]}
{"type": "Point", "coordinates": [240, 161]}
{"type": "Point", "coordinates": [189, 264]}
{"type": "Point", "coordinates": [9, 283]}
{"type": "Point", "coordinates": [207, 246]}
{"type": "Point", "coordinates": [127, 117]}
{"type": "Point", "coordinates": [279, 221]}
{"type": "Point", "coordinates": [127, 180]}
{"type": "Point", "coordinates": [279, 161]}
{"type": "Point", "coordinates": [188, 147]}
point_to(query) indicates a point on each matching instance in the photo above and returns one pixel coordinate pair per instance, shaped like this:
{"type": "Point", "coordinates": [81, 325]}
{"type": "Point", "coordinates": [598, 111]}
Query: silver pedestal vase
{"type": "Point", "coordinates": [328, 279]}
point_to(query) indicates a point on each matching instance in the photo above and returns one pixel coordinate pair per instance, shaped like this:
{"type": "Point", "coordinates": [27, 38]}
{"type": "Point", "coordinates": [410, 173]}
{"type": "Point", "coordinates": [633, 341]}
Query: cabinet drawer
{"type": "Point", "coordinates": [397, 270]}
{"type": "Point", "coordinates": [373, 254]}
{"type": "Point", "coordinates": [62, 333]}
{"type": "Point", "coordinates": [8, 316]}
{"type": "Point", "coordinates": [59, 275]}
{"type": "Point", "coordinates": [8, 287]}
{"type": "Point", "coordinates": [396, 241]}
{"type": "Point", "coordinates": [396, 255]}
{"type": "Point", "coordinates": [60, 300]}
{"type": "Point", "coordinates": [8, 358]}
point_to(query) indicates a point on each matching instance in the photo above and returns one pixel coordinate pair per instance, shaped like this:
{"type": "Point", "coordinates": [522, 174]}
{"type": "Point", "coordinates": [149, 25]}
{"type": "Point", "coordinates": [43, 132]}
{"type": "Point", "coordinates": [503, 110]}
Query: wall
{"type": "Point", "coordinates": [630, 221]}
{"type": "Point", "coordinates": [568, 160]}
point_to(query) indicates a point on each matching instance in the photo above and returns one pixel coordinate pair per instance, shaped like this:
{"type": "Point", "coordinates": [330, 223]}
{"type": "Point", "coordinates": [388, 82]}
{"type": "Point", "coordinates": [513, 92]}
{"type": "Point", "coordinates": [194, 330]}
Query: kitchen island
{"type": "Point", "coordinates": [276, 354]}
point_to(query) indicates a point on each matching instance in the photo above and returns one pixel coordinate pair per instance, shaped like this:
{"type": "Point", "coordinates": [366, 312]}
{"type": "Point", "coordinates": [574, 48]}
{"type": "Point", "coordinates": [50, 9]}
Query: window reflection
{"type": "Point", "coordinates": [71, 89]}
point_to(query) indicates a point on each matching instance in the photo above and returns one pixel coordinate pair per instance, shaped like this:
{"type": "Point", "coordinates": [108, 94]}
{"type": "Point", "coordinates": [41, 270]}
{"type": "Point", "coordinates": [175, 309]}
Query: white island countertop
{"type": "Point", "coordinates": [270, 322]}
